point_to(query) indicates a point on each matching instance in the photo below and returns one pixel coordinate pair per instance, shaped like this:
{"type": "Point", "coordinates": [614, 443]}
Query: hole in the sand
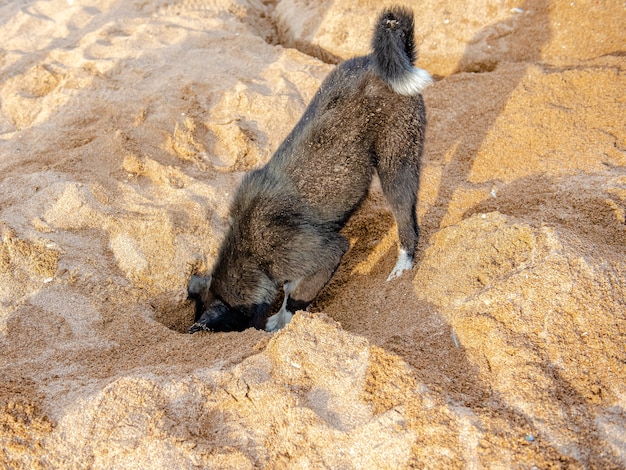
{"type": "Point", "coordinates": [175, 315]}
{"type": "Point", "coordinates": [178, 314]}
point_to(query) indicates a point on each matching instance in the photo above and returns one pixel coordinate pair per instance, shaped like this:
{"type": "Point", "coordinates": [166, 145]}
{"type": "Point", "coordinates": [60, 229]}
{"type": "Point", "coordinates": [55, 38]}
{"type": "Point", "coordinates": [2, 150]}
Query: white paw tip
{"type": "Point", "coordinates": [278, 321]}
{"type": "Point", "coordinates": [404, 263]}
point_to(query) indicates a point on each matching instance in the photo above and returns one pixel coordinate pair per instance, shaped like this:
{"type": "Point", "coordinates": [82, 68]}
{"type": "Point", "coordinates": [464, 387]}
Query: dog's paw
{"type": "Point", "coordinates": [278, 320]}
{"type": "Point", "coordinates": [404, 263]}
{"type": "Point", "coordinates": [198, 326]}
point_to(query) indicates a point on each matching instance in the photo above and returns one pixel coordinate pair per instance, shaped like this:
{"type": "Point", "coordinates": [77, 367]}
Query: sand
{"type": "Point", "coordinates": [124, 130]}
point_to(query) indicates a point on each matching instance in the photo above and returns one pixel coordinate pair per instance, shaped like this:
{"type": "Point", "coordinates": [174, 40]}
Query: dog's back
{"type": "Point", "coordinates": [368, 116]}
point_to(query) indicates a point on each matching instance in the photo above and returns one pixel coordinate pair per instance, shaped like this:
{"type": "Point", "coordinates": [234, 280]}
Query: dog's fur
{"type": "Point", "coordinates": [368, 116]}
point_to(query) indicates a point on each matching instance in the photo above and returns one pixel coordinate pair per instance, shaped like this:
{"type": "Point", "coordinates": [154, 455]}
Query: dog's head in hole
{"type": "Point", "coordinates": [367, 118]}
{"type": "Point", "coordinates": [216, 315]}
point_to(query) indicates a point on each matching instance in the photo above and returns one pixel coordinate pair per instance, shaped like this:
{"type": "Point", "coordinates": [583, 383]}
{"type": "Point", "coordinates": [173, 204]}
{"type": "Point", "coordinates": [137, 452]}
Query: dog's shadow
{"type": "Point", "coordinates": [372, 233]}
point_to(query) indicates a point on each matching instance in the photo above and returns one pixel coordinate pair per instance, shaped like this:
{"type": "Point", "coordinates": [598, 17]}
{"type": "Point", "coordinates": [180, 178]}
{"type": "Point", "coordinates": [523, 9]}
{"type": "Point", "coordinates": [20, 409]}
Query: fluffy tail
{"type": "Point", "coordinates": [394, 52]}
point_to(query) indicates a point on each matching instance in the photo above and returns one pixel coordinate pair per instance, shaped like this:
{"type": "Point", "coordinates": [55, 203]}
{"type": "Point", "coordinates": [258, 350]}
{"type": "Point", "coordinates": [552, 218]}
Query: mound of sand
{"type": "Point", "coordinates": [124, 130]}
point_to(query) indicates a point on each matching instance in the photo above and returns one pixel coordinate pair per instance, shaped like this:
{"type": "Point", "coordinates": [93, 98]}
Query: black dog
{"type": "Point", "coordinates": [368, 116]}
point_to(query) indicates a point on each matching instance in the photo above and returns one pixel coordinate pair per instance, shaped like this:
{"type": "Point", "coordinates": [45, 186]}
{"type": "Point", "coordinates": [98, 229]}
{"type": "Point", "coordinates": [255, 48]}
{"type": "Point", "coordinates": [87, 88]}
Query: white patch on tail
{"type": "Point", "coordinates": [413, 83]}
{"type": "Point", "coordinates": [279, 320]}
{"type": "Point", "coordinates": [404, 263]}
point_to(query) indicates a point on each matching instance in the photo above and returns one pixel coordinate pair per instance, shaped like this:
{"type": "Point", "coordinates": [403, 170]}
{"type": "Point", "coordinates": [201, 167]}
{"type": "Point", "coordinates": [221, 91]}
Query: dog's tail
{"type": "Point", "coordinates": [394, 52]}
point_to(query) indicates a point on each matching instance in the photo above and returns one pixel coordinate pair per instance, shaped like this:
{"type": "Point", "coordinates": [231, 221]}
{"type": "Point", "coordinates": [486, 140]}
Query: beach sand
{"type": "Point", "coordinates": [125, 127]}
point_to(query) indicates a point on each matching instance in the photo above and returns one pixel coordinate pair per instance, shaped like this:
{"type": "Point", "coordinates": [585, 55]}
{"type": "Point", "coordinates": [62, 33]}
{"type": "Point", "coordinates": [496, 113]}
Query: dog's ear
{"type": "Point", "coordinates": [197, 285]}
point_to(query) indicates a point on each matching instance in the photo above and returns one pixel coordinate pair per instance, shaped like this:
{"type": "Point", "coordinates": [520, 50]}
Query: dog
{"type": "Point", "coordinates": [368, 117]}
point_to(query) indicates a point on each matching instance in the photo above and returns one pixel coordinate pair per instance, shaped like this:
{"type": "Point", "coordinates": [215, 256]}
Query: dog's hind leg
{"type": "Point", "coordinates": [400, 185]}
{"type": "Point", "coordinates": [300, 293]}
